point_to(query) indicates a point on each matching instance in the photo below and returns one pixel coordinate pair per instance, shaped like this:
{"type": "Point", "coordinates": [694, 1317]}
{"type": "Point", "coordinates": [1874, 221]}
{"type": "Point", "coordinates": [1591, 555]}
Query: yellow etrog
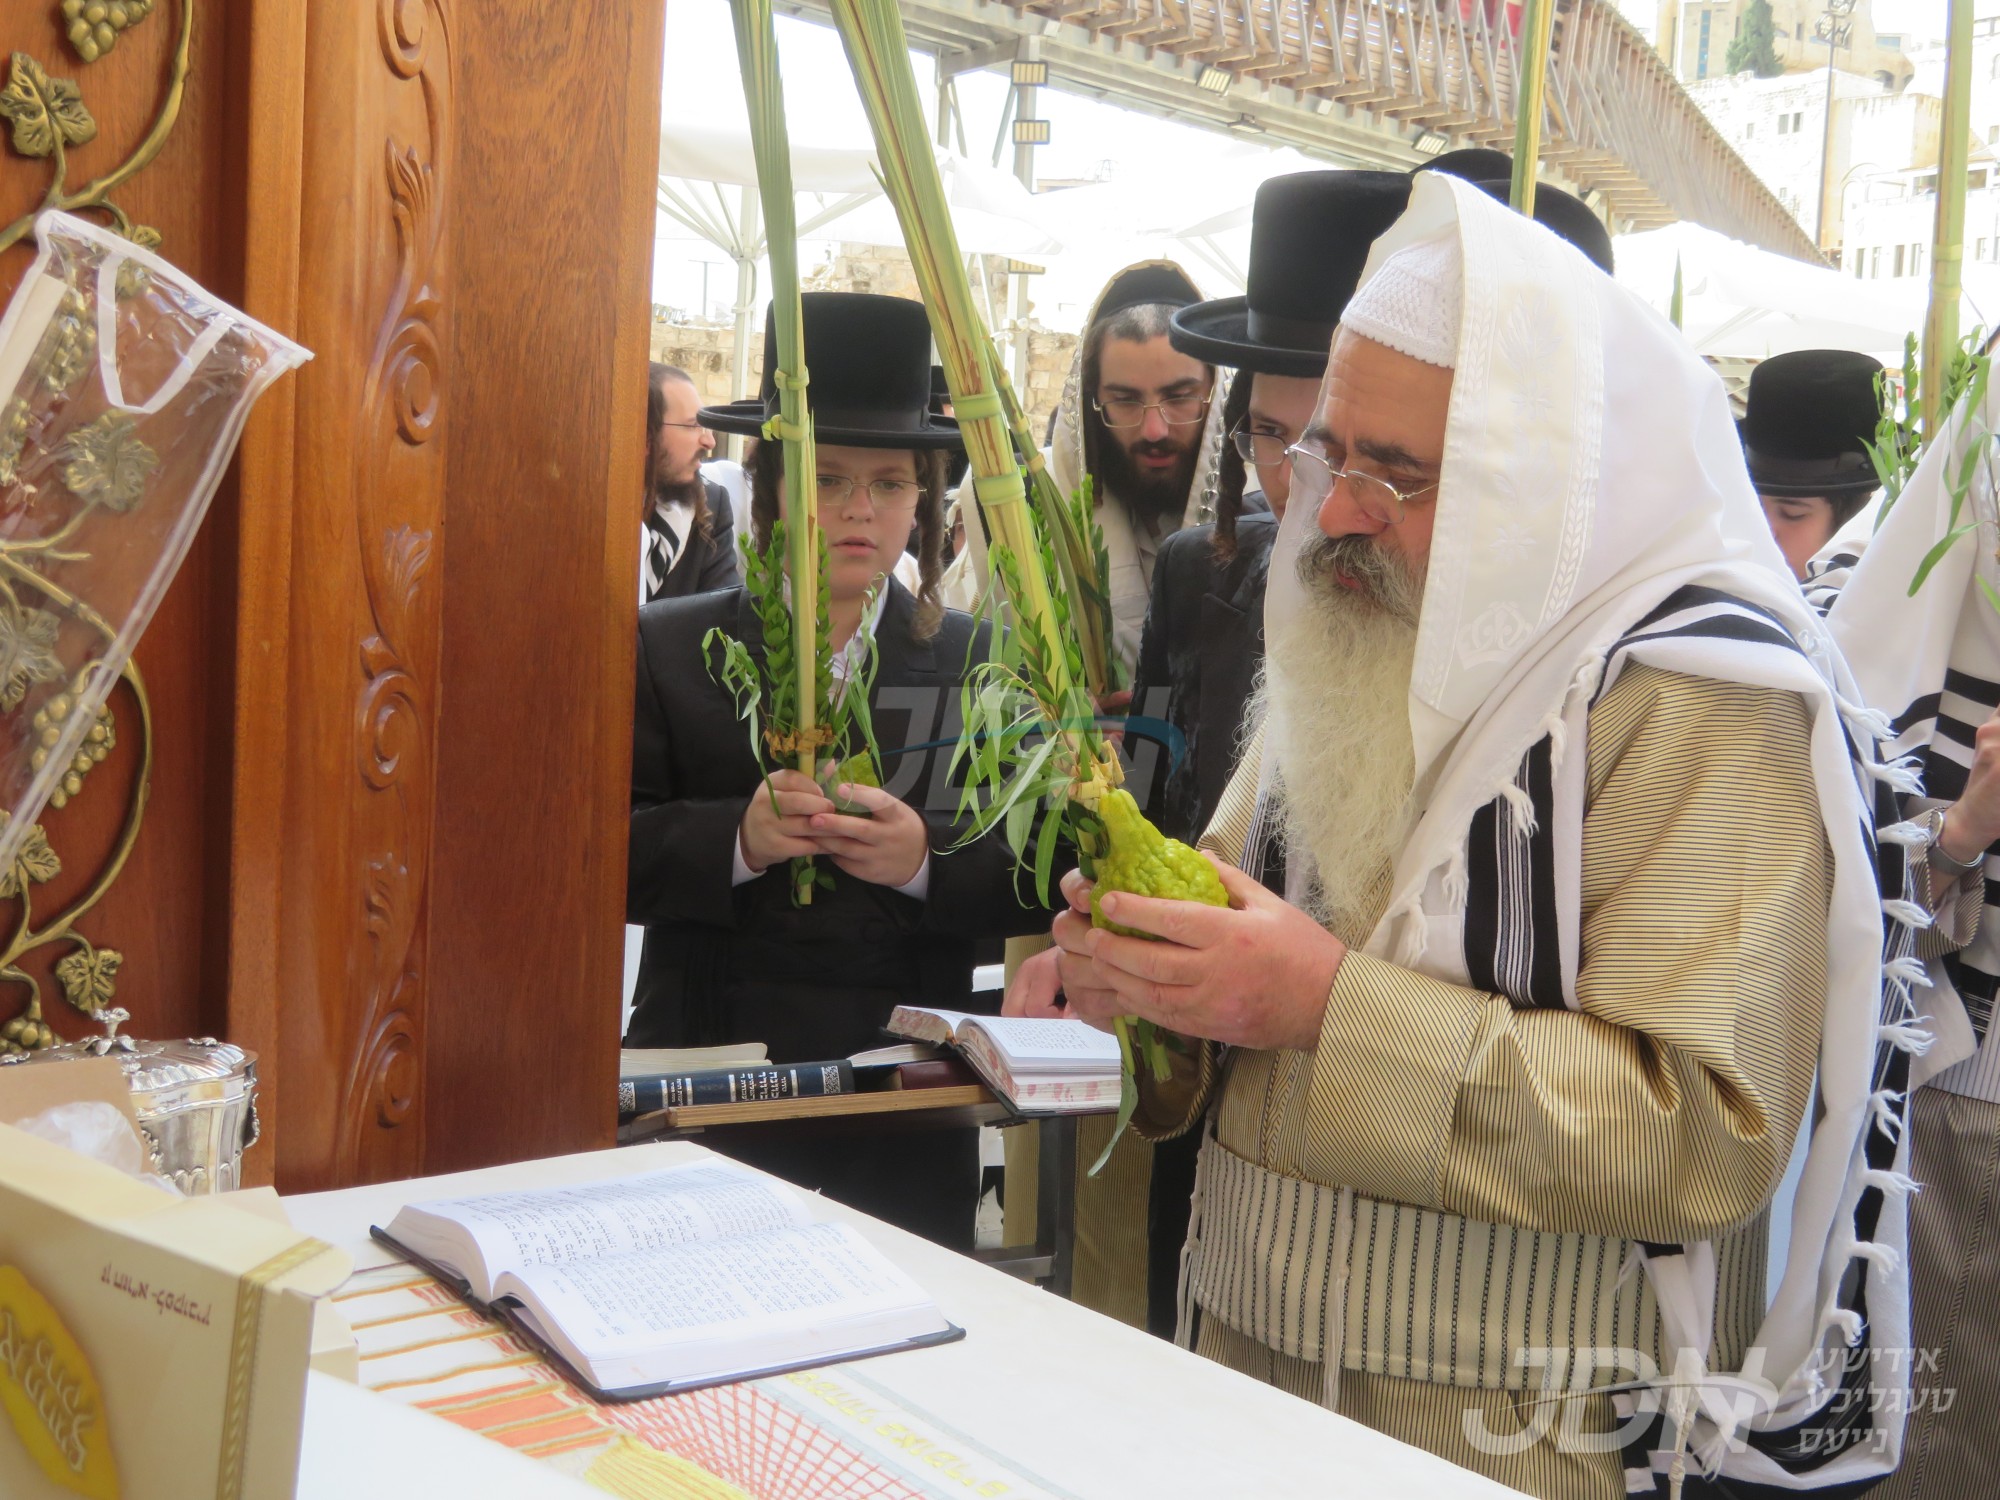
{"type": "Point", "coordinates": [1146, 862]}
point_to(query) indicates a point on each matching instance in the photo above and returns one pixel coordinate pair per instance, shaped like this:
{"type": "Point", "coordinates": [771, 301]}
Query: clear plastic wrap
{"type": "Point", "coordinates": [124, 387]}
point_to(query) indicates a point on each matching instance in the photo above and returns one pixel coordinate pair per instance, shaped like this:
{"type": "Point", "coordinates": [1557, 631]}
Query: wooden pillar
{"type": "Point", "coordinates": [393, 681]}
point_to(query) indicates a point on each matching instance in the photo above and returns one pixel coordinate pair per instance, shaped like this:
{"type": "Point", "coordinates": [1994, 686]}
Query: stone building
{"type": "Point", "coordinates": [1694, 36]}
{"type": "Point", "coordinates": [1889, 187]}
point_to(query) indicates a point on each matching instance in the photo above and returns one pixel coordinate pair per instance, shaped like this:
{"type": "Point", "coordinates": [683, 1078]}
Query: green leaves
{"type": "Point", "coordinates": [737, 673]}
{"type": "Point", "coordinates": [1900, 441]}
{"type": "Point", "coordinates": [1900, 445]}
{"type": "Point", "coordinates": [47, 113]}
{"type": "Point", "coordinates": [766, 691]}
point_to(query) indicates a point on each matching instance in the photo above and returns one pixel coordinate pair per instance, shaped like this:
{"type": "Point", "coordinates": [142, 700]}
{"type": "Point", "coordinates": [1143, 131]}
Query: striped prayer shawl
{"type": "Point", "coordinates": [1938, 728]}
{"type": "Point", "coordinates": [1513, 937]}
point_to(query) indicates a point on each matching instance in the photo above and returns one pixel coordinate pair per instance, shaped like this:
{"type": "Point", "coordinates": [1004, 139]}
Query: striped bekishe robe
{"type": "Point", "coordinates": [1401, 1222]}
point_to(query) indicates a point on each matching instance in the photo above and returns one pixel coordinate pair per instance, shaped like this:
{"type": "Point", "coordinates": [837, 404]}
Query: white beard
{"type": "Point", "coordinates": [1337, 681]}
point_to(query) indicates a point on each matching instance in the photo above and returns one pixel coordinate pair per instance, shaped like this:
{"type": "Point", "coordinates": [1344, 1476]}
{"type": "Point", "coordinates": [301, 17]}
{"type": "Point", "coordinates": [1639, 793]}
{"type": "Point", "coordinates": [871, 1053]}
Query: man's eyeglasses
{"type": "Point", "coordinates": [888, 494]}
{"type": "Point", "coordinates": [1175, 411]}
{"type": "Point", "coordinates": [1263, 448]}
{"type": "Point", "coordinates": [686, 426]}
{"type": "Point", "coordinates": [1314, 476]}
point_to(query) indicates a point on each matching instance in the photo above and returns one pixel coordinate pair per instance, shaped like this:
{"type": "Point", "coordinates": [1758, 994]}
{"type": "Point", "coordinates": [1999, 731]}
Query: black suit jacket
{"type": "Point", "coordinates": [706, 563]}
{"type": "Point", "coordinates": [1203, 643]}
{"type": "Point", "coordinates": [731, 964]}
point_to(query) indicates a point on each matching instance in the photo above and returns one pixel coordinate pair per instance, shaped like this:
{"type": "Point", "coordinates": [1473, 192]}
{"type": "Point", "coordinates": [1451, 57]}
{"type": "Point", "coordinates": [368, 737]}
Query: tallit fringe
{"type": "Point", "coordinates": [1333, 1342]}
{"type": "Point", "coordinates": [1867, 723]}
{"type": "Point", "coordinates": [1633, 1264]}
{"type": "Point", "coordinates": [1908, 1036]}
{"type": "Point", "coordinates": [1906, 835]}
{"type": "Point", "coordinates": [1184, 1308]}
{"type": "Point", "coordinates": [1891, 1184]}
{"type": "Point", "coordinates": [1520, 807]}
{"type": "Point", "coordinates": [1848, 1321]}
{"type": "Point", "coordinates": [1908, 913]}
{"type": "Point", "coordinates": [1907, 970]}
{"type": "Point", "coordinates": [1457, 881]}
{"type": "Point", "coordinates": [1589, 673]}
{"type": "Point", "coordinates": [1882, 1105]}
{"type": "Point", "coordinates": [1884, 1258]}
{"type": "Point", "coordinates": [1901, 774]}
{"type": "Point", "coordinates": [1411, 933]}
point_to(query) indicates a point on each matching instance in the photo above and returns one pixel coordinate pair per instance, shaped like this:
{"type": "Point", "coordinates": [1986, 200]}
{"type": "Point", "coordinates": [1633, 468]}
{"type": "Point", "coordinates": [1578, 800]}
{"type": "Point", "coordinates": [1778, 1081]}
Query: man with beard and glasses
{"type": "Point", "coordinates": [689, 542]}
{"type": "Point", "coordinates": [1583, 916]}
{"type": "Point", "coordinates": [1143, 422]}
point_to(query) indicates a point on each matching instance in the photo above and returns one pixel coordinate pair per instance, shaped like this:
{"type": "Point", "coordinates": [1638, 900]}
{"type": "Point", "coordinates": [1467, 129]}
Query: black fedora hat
{"type": "Point", "coordinates": [1807, 421]}
{"type": "Point", "coordinates": [1563, 214]}
{"type": "Point", "coordinates": [1473, 163]}
{"type": "Point", "coordinates": [868, 359]}
{"type": "Point", "coordinates": [1309, 239]}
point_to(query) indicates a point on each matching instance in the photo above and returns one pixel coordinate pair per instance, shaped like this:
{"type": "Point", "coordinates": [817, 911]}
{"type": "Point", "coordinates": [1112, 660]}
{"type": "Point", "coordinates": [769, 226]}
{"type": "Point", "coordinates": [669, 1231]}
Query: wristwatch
{"type": "Point", "coordinates": [1942, 862]}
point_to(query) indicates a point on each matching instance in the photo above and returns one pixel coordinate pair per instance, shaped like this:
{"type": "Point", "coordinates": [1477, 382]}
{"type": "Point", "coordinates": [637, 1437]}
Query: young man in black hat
{"type": "Point", "coordinates": [1806, 425]}
{"type": "Point", "coordinates": [1309, 237]}
{"type": "Point", "coordinates": [728, 957]}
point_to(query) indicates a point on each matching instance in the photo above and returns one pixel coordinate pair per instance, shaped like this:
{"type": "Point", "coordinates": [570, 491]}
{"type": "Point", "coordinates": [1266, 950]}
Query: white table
{"type": "Point", "coordinates": [1102, 1410]}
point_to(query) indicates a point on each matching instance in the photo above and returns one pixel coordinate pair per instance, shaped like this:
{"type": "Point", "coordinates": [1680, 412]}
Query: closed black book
{"type": "Point", "coordinates": [642, 1096]}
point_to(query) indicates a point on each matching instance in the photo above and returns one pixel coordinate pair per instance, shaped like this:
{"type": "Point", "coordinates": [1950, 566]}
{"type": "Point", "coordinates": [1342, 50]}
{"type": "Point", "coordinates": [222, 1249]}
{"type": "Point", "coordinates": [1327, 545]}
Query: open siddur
{"type": "Point", "coordinates": [1040, 1067]}
{"type": "Point", "coordinates": [674, 1279]}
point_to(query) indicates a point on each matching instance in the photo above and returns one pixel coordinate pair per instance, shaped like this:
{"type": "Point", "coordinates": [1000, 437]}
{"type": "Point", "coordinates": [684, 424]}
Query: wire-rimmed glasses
{"type": "Point", "coordinates": [884, 494]}
{"type": "Point", "coordinates": [1314, 476]}
{"type": "Point", "coordinates": [1175, 411]}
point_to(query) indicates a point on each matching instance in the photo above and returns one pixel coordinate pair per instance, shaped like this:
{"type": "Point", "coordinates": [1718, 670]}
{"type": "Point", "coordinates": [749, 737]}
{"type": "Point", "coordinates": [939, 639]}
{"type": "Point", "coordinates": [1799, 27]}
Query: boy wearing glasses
{"type": "Point", "coordinates": [729, 957]}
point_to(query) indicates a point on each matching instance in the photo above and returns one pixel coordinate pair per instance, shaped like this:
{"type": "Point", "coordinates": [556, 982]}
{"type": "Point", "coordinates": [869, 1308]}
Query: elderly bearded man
{"type": "Point", "coordinates": [1578, 876]}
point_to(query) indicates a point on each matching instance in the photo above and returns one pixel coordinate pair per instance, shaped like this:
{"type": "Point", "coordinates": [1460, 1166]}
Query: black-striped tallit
{"type": "Point", "coordinates": [1513, 940]}
{"type": "Point", "coordinates": [1593, 513]}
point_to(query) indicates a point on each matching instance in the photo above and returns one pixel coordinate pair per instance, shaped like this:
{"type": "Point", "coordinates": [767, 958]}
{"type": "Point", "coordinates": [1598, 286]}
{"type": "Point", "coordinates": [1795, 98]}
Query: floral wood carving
{"type": "Point", "coordinates": [399, 503]}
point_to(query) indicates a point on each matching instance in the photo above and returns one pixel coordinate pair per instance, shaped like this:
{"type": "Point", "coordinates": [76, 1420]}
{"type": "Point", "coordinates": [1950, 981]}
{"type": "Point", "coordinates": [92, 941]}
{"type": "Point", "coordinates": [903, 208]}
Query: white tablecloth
{"type": "Point", "coordinates": [1079, 1400]}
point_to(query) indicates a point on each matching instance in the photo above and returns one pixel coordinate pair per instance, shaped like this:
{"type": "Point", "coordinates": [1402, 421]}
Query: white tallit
{"type": "Point", "coordinates": [1931, 662]}
{"type": "Point", "coordinates": [1591, 471]}
{"type": "Point", "coordinates": [1130, 572]}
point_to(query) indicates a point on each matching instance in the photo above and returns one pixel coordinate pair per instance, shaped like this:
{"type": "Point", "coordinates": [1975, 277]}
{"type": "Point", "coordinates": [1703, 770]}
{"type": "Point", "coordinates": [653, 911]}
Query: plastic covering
{"type": "Point", "coordinates": [123, 389]}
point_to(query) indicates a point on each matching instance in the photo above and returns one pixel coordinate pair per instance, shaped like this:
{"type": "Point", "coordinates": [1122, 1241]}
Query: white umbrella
{"type": "Point", "coordinates": [1739, 302]}
{"type": "Point", "coordinates": [993, 213]}
{"type": "Point", "coordinates": [1195, 213]}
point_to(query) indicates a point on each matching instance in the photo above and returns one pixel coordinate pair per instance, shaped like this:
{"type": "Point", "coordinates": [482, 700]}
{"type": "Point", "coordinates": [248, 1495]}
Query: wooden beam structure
{"type": "Point", "coordinates": [1362, 82]}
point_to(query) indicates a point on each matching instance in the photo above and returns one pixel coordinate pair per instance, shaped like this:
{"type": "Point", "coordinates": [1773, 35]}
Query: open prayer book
{"type": "Point", "coordinates": [665, 1281]}
{"type": "Point", "coordinates": [1039, 1067]}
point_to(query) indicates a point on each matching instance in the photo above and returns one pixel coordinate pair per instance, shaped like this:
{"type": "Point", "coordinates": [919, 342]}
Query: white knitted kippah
{"type": "Point", "coordinates": [1412, 303]}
